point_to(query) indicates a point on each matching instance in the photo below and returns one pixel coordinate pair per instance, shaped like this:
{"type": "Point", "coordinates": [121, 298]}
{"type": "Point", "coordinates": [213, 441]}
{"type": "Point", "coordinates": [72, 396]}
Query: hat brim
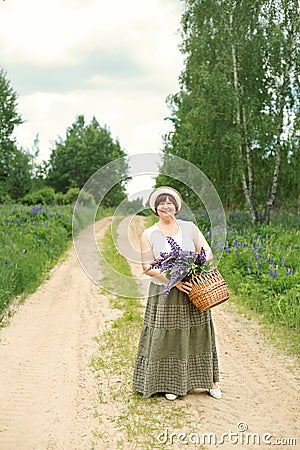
{"type": "Point", "coordinates": [166, 190]}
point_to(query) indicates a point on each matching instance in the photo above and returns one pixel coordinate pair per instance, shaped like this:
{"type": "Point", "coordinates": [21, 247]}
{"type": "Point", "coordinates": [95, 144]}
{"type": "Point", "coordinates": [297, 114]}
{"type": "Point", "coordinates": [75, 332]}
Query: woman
{"type": "Point", "coordinates": [177, 350]}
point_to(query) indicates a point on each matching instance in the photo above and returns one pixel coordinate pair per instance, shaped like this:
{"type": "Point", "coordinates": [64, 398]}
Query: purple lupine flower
{"type": "Point", "coordinates": [6, 262]}
{"type": "Point", "coordinates": [287, 272]}
{"type": "Point", "coordinates": [19, 222]}
{"type": "Point", "coordinates": [271, 271]}
{"type": "Point", "coordinates": [173, 244]}
{"type": "Point", "coordinates": [35, 210]}
{"type": "Point", "coordinates": [236, 243]}
{"type": "Point", "coordinates": [260, 265]}
{"type": "Point", "coordinates": [275, 274]}
{"type": "Point", "coordinates": [178, 264]}
{"type": "Point", "coordinates": [282, 262]}
{"type": "Point", "coordinates": [291, 271]}
{"type": "Point", "coordinates": [46, 225]}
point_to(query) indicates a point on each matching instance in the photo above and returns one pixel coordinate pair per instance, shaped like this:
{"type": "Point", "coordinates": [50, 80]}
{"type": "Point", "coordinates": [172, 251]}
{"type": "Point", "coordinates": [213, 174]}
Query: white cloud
{"type": "Point", "coordinates": [112, 59]}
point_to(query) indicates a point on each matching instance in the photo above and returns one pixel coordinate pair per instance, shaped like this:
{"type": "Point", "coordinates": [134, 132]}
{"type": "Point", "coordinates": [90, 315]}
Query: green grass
{"type": "Point", "coordinates": [140, 419]}
{"type": "Point", "coordinates": [117, 276]}
{"type": "Point", "coordinates": [262, 267]}
{"type": "Point", "coordinates": [32, 241]}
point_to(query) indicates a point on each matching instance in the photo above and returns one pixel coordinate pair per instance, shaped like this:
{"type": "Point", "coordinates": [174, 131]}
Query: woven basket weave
{"type": "Point", "coordinates": [209, 289]}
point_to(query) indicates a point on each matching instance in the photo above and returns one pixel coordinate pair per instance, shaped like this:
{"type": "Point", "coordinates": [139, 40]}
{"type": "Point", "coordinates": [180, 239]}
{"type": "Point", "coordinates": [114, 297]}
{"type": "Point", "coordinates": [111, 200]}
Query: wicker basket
{"type": "Point", "coordinates": [209, 289]}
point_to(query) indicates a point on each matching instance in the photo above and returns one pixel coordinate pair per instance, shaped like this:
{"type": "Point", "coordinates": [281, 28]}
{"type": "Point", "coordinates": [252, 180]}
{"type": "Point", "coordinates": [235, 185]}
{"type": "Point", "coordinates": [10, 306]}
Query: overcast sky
{"type": "Point", "coordinates": [114, 59]}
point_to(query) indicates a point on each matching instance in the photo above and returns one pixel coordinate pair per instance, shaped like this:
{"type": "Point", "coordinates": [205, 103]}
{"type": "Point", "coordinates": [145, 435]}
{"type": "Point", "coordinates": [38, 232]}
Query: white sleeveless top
{"type": "Point", "coordinates": [185, 238]}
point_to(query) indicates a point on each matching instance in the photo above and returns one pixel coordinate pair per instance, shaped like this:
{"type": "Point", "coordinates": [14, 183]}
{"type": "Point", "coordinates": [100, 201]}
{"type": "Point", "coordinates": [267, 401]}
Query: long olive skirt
{"type": "Point", "coordinates": [177, 349]}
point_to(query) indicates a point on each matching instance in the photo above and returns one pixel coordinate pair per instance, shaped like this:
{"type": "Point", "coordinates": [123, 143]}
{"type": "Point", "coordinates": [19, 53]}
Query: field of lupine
{"type": "Point", "coordinates": [262, 267]}
{"type": "Point", "coordinates": [32, 239]}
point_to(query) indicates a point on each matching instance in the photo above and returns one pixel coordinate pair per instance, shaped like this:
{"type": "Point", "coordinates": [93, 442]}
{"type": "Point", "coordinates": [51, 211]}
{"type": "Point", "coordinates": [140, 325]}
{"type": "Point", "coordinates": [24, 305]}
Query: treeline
{"type": "Point", "coordinates": [236, 115]}
{"type": "Point", "coordinates": [85, 148]}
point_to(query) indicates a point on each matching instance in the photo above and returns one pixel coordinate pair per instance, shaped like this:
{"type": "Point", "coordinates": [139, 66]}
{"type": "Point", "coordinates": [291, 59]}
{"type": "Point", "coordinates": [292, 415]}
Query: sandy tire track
{"type": "Point", "coordinates": [48, 393]}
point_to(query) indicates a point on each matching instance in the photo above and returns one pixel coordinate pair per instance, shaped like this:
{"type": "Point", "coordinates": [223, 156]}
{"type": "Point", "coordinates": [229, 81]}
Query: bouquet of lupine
{"type": "Point", "coordinates": [179, 265]}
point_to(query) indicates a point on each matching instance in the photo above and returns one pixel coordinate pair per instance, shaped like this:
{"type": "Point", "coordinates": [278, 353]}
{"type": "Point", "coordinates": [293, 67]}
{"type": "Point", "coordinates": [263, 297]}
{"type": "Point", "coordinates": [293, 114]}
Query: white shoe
{"type": "Point", "coordinates": [215, 393]}
{"type": "Point", "coordinates": [171, 396]}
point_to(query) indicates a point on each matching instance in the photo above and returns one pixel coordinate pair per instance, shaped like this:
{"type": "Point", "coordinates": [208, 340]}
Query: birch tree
{"type": "Point", "coordinates": [236, 114]}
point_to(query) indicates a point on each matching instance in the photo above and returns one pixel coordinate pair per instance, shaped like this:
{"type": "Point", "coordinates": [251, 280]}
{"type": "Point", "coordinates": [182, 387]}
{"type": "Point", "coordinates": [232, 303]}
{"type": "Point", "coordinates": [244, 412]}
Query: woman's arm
{"type": "Point", "coordinates": [148, 257]}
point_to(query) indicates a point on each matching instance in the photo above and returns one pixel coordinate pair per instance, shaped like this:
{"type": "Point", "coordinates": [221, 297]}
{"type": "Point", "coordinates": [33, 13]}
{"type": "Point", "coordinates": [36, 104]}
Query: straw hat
{"type": "Point", "coordinates": [167, 190]}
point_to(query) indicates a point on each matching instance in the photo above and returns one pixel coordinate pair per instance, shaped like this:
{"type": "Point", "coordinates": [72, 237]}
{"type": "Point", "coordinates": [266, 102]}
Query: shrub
{"type": "Point", "coordinates": [45, 196]}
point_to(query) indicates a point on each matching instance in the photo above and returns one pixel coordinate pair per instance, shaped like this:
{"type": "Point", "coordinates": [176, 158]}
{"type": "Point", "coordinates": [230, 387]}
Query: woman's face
{"type": "Point", "coordinates": [166, 208]}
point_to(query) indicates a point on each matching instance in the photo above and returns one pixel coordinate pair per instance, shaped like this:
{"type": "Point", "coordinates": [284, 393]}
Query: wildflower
{"type": "Point", "coordinates": [6, 262]}
{"type": "Point", "coordinates": [260, 265]}
{"type": "Point", "coordinates": [35, 210]}
{"type": "Point", "coordinates": [179, 265]}
{"type": "Point", "coordinates": [282, 262]}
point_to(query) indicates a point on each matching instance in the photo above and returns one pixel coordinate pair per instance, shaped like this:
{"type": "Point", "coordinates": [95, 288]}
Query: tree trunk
{"type": "Point", "coordinates": [282, 97]}
{"type": "Point", "coordinates": [273, 190]}
{"type": "Point", "coordinates": [247, 189]}
{"type": "Point", "coordinates": [252, 207]}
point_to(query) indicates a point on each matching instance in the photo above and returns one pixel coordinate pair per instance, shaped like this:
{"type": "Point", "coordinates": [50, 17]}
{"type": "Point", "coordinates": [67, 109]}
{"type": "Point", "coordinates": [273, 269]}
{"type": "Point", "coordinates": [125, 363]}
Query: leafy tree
{"type": "Point", "coordinates": [9, 118]}
{"type": "Point", "coordinates": [19, 181]}
{"type": "Point", "coordinates": [86, 148]}
{"type": "Point", "coordinates": [237, 113]}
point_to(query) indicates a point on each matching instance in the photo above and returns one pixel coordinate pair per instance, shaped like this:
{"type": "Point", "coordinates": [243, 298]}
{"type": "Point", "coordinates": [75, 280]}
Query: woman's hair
{"type": "Point", "coordinates": [162, 198]}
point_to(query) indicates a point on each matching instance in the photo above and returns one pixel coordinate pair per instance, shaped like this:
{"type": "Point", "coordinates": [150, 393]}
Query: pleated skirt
{"type": "Point", "coordinates": [177, 349]}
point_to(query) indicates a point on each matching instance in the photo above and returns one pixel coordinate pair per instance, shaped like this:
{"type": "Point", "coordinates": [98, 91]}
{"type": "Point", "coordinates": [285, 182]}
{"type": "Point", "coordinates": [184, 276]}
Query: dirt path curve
{"type": "Point", "coordinates": [48, 394]}
{"type": "Point", "coordinates": [47, 391]}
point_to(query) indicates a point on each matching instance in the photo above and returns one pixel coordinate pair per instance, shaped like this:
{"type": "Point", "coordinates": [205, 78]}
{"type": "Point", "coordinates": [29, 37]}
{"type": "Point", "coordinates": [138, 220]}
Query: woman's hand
{"type": "Point", "coordinates": [185, 286]}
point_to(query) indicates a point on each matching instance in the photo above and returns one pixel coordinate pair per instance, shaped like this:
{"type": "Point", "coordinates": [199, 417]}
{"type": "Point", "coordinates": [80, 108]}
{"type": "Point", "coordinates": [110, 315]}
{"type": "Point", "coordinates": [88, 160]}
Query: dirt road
{"type": "Point", "coordinates": [48, 394]}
